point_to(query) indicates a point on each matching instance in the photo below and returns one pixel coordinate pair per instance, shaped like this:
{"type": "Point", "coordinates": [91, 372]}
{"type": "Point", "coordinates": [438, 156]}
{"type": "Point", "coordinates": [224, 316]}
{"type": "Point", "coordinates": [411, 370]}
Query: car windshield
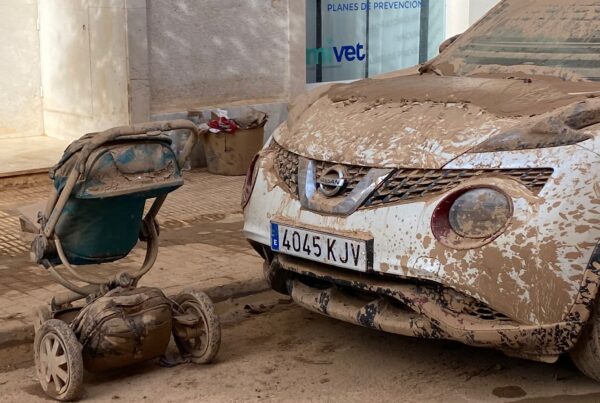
{"type": "Point", "coordinates": [546, 37]}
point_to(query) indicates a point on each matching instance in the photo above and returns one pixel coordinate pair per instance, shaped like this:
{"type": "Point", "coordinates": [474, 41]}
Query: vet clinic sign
{"type": "Point", "coordinates": [348, 40]}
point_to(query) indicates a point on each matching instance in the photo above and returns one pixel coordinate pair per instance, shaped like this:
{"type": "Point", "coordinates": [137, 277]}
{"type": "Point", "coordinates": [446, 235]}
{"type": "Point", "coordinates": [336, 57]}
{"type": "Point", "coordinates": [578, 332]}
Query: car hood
{"type": "Point", "coordinates": [416, 121]}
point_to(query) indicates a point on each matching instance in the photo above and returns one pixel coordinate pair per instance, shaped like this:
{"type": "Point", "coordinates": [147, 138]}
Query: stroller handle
{"type": "Point", "coordinates": [58, 200]}
{"type": "Point", "coordinates": [147, 127]}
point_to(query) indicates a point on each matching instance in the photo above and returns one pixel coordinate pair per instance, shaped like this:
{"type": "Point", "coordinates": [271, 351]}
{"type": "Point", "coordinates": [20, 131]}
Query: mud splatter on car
{"type": "Point", "coordinates": [459, 202]}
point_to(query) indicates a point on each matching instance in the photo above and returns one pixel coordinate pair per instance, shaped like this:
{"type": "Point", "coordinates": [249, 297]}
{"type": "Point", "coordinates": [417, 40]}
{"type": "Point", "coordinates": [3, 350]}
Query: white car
{"type": "Point", "coordinates": [458, 202]}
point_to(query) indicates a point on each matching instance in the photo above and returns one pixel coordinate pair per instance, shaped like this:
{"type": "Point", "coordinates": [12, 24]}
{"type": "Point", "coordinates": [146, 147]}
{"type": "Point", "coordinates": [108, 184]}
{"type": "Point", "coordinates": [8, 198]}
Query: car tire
{"type": "Point", "coordinates": [586, 353]}
{"type": "Point", "coordinates": [276, 279]}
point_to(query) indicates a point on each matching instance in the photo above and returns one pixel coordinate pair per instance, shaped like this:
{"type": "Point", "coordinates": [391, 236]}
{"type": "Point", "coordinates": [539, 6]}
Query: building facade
{"type": "Point", "coordinates": [76, 66]}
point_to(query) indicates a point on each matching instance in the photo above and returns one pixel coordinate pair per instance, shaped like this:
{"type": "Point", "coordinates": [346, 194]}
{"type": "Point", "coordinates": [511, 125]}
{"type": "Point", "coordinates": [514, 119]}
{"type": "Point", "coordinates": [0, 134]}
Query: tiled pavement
{"type": "Point", "coordinates": [201, 245]}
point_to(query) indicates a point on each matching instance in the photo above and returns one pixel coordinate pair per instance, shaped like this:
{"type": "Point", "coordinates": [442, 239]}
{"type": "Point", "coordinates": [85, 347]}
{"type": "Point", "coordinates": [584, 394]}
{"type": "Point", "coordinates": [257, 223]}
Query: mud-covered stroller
{"type": "Point", "coordinates": [95, 215]}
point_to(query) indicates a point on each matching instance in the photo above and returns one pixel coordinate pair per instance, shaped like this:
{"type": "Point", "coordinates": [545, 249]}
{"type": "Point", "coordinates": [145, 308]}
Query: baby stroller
{"type": "Point", "coordinates": [95, 215]}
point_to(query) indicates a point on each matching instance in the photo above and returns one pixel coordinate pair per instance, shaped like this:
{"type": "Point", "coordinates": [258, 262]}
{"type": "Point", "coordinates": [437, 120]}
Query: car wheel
{"type": "Point", "coordinates": [58, 361]}
{"type": "Point", "coordinates": [276, 279]}
{"type": "Point", "coordinates": [586, 353]}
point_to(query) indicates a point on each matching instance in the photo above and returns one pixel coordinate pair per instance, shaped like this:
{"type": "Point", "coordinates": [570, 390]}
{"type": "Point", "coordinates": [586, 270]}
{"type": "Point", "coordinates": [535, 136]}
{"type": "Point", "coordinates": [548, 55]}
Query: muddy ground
{"type": "Point", "coordinates": [275, 351]}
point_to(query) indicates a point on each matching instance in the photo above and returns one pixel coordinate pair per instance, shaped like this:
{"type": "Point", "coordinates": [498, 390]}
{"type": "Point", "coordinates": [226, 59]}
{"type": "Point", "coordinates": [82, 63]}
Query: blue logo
{"type": "Point", "coordinates": [335, 54]}
{"type": "Point", "coordinates": [274, 236]}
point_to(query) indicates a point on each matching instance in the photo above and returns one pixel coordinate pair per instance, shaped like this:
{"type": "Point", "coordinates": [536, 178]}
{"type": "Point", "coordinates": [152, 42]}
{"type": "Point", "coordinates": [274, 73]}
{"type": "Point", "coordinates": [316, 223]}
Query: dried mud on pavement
{"type": "Point", "coordinates": [275, 351]}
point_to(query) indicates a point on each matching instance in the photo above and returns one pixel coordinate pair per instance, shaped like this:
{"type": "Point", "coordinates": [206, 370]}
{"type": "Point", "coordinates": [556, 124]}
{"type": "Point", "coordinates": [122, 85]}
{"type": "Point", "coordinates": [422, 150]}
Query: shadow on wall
{"type": "Point", "coordinates": [216, 52]}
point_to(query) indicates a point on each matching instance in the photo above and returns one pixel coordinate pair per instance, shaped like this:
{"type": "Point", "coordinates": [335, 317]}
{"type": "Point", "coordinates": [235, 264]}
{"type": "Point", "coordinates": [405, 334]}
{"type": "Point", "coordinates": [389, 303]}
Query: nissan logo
{"type": "Point", "coordinates": [333, 181]}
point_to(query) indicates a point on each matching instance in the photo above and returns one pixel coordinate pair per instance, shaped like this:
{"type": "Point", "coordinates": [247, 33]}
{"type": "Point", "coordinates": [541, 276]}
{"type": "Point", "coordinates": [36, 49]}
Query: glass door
{"type": "Point", "coordinates": [349, 40]}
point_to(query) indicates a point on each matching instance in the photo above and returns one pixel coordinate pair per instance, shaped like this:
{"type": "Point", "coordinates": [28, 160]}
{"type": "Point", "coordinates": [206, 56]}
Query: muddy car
{"type": "Point", "coordinates": [458, 201]}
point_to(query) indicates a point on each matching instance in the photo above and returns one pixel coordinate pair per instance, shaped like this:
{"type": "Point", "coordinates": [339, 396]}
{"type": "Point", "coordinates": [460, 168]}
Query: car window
{"type": "Point", "coordinates": [548, 37]}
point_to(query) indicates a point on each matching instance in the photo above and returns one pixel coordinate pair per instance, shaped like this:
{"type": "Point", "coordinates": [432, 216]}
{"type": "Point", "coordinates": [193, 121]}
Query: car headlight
{"type": "Point", "coordinates": [479, 213]}
{"type": "Point", "coordinates": [471, 217]}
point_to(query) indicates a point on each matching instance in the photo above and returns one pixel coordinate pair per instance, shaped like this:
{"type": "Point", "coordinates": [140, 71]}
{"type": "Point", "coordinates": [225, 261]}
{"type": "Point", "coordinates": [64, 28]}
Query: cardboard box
{"type": "Point", "coordinates": [232, 153]}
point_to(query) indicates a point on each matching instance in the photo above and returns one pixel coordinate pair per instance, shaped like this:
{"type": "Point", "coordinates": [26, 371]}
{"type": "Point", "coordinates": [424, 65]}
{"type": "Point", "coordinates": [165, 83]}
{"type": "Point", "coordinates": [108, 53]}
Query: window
{"type": "Point", "coordinates": [348, 40]}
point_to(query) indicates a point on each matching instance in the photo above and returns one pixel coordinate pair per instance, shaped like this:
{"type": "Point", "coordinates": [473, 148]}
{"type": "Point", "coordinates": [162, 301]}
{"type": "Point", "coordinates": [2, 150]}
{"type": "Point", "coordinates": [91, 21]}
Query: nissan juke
{"type": "Point", "coordinates": [457, 200]}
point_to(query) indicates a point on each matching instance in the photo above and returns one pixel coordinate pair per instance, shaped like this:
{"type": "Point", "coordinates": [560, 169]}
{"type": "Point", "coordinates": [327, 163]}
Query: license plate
{"type": "Point", "coordinates": [321, 247]}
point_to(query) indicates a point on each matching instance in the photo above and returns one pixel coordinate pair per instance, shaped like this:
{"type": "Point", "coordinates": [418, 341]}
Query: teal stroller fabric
{"type": "Point", "coordinates": [102, 219]}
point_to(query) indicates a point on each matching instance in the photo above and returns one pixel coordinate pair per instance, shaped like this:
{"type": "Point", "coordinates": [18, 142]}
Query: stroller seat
{"type": "Point", "coordinates": [102, 220]}
{"type": "Point", "coordinates": [95, 213]}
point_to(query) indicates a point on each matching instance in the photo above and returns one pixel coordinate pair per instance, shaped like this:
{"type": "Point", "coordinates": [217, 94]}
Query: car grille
{"type": "Point", "coordinates": [410, 184]}
{"type": "Point", "coordinates": [356, 173]}
{"type": "Point", "coordinates": [481, 311]}
{"type": "Point", "coordinates": [407, 184]}
{"type": "Point", "coordinates": [286, 165]}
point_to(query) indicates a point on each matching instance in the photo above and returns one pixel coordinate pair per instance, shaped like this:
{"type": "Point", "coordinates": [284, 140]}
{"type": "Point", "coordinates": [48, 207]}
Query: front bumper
{"type": "Point", "coordinates": [418, 310]}
{"type": "Point", "coordinates": [534, 272]}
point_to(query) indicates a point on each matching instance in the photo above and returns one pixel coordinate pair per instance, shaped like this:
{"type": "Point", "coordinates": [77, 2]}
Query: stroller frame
{"type": "Point", "coordinates": [58, 199]}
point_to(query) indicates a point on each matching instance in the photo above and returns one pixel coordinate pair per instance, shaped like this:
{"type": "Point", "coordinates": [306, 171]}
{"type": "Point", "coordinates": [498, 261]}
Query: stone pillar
{"type": "Point", "coordinates": [297, 41]}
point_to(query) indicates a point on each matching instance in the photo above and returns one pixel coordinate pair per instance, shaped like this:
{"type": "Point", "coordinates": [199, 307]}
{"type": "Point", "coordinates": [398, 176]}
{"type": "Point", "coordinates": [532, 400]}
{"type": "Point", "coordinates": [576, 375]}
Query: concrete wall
{"type": "Point", "coordinates": [218, 52]}
{"type": "Point", "coordinates": [20, 82]}
{"type": "Point", "coordinates": [84, 66]}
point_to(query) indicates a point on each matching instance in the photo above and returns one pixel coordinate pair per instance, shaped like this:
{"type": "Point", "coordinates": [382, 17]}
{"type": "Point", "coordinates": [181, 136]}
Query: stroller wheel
{"type": "Point", "coordinates": [196, 329]}
{"type": "Point", "coordinates": [58, 361]}
{"type": "Point", "coordinates": [41, 314]}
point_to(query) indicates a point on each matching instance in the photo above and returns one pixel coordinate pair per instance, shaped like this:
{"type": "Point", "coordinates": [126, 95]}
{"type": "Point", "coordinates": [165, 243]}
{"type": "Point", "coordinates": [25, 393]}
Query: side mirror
{"type": "Point", "coordinates": [448, 42]}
